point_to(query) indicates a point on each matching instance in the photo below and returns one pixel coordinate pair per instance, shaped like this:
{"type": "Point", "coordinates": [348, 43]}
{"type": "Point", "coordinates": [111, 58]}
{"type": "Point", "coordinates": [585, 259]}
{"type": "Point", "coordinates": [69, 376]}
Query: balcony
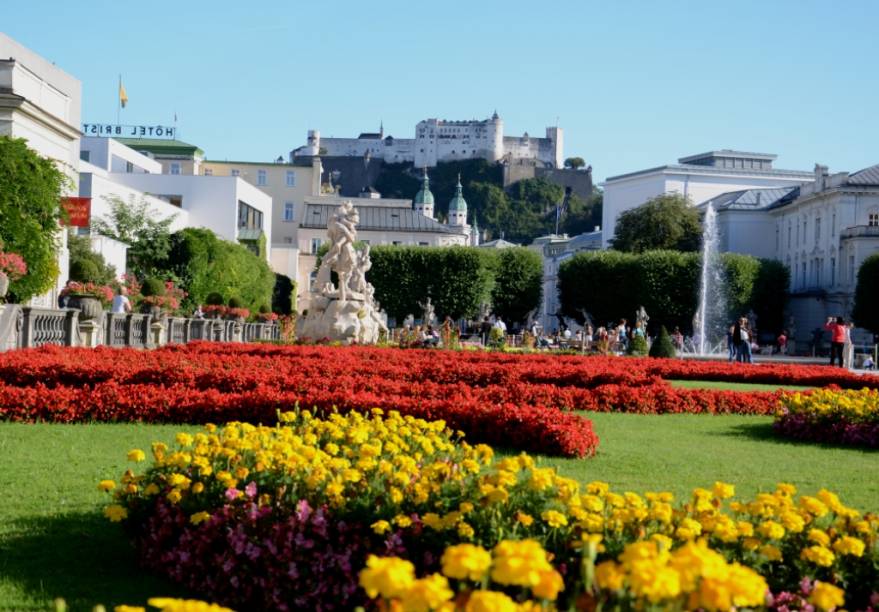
{"type": "Point", "coordinates": [860, 231]}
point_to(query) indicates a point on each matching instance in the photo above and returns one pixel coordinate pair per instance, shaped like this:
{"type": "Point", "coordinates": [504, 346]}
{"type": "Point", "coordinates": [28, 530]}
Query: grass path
{"type": "Point", "coordinates": [55, 542]}
{"type": "Point", "coordinates": [732, 386]}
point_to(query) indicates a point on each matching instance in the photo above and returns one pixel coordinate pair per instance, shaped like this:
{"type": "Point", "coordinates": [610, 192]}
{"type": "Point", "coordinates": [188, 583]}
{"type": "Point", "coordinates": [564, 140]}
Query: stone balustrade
{"type": "Point", "coordinates": [28, 326]}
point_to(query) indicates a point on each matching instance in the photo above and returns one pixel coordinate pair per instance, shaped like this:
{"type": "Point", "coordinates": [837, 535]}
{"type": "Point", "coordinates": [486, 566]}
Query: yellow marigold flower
{"type": "Point", "coordinates": [169, 604]}
{"type": "Point", "coordinates": [786, 488]}
{"type": "Point", "coordinates": [427, 594]}
{"type": "Point", "coordinates": [549, 585]}
{"type": "Point", "coordinates": [541, 479]}
{"type": "Point", "coordinates": [818, 555]}
{"type": "Point", "coordinates": [820, 537]}
{"type": "Point", "coordinates": [688, 529]}
{"type": "Point", "coordinates": [770, 552]}
{"type": "Point", "coordinates": [401, 520]}
{"type": "Point", "coordinates": [793, 522]}
{"type": "Point", "coordinates": [655, 582]}
{"type": "Point", "coordinates": [396, 495]}
{"type": "Point", "coordinates": [498, 496]}
{"type": "Point", "coordinates": [813, 506]}
{"type": "Point", "coordinates": [826, 596]}
{"type": "Point", "coordinates": [750, 543]}
{"type": "Point", "coordinates": [609, 576]}
{"type": "Point", "coordinates": [554, 518]}
{"type": "Point", "coordinates": [199, 517]}
{"type": "Point", "coordinates": [771, 530]}
{"type": "Point", "coordinates": [183, 439]}
{"type": "Point", "coordinates": [465, 508]}
{"type": "Point", "coordinates": [848, 545]}
{"type": "Point", "coordinates": [151, 489]}
{"type": "Point", "coordinates": [519, 562]}
{"type": "Point", "coordinates": [524, 518]}
{"type": "Point", "coordinates": [136, 454]}
{"type": "Point", "coordinates": [389, 577]}
{"type": "Point", "coordinates": [381, 527]}
{"type": "Point", "coordinates": [174, 496]}
{"type": "Point", "coordinates": [178, 480]}
{"type": "Point", "coordinates": [466, 562]}
{"type": "Point", "coordinates": [432, 520]}
{"type": "Point", "coordinates": [115, 513]}
{"type": "Point", "coordinates": [596, 487]}
{"type": "Point", "coordinates": [465, 531]}
{"type": "Point", "coordinates": [490, 601]}
{"type": "Point", "coordinates": [106, 485]}
{"type": "Point", "coordinates": [197, 487]}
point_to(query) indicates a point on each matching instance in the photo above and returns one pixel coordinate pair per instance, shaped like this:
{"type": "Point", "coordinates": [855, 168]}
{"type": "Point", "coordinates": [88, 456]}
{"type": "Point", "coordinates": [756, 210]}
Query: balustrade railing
{"type": "Point", "coordinates": [27, 326]}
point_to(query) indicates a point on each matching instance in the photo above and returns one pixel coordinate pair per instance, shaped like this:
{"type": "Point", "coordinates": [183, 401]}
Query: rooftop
{"type": "Point", "coordinates": [753, 199]}
{"type": "Point", "coordinates": [703, 169]}
{"type": "Point", "coordinates": [725, 153]}
{"type": "Point", "coordinates": [160, 146]}
{"type": "Point", "coordinates": [377, 218]}
{"type": "Point", "coordinates": [867, 176]}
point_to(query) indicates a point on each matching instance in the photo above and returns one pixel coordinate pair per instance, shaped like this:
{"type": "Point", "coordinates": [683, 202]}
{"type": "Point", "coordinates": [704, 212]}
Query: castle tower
{"type": "Point", "coordinates": [495, 137]}
{"type": "Point", "coordinates": [424, 198]}
{"type": "Point", "coordinates": [458, 207]}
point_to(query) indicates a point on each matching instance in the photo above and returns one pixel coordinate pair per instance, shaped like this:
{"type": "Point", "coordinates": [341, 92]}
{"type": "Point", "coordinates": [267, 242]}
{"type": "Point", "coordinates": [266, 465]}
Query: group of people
{"type": "Point", "coordinates": [842, 350]}
{"type": "Point", "coordinates": [739, 339]}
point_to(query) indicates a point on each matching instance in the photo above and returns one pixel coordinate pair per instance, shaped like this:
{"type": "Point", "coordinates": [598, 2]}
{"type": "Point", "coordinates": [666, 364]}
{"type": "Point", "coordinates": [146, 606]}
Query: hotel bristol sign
{"type": "Point", "coordinates": [128, 131]}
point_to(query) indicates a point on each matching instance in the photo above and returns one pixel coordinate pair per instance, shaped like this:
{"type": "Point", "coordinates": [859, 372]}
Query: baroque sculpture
{"type": "Point", "coordinates": [347, 312]}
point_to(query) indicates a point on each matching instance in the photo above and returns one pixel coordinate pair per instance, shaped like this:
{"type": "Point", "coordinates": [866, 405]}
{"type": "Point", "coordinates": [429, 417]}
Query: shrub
{"type": "Point", "coordinates": [152, 287]}
{"type": "Point", "coordinates": [214, 299]}
{"type": "Point", "coordinates": [86, 266]}
{"type": "Point", "coordinates": [662, 346]}
{"type": "Point", "coordinates": [264, 309]}
{"type": "Point", "coordinates": [638, 346]}
{"type": "Point", "coordinates": [518, 284]}
{"type": "Point", "coordinates": [235, 302]}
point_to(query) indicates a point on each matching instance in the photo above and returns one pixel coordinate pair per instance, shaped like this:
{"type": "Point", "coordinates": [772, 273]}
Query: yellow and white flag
{"type": "Point", "coordinates": [123, 97]}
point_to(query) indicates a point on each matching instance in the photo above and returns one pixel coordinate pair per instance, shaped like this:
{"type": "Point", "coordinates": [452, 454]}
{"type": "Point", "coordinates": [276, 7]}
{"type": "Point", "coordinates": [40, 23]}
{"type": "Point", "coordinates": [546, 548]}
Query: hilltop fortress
{"type": "Point", "coordinates": [439, 140]}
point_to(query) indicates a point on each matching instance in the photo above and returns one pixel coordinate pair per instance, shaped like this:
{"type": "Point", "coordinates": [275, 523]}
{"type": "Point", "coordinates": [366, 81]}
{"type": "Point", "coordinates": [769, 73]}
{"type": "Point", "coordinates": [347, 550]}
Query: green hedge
{"type": "Point", "coordinates": [457, 279]}
{"type": "Point", "coordinates": [609, 285]}
{"type": "Point", "coordinates": [866, 307]}
{"type": "Point", "coordinates": [205, 263]}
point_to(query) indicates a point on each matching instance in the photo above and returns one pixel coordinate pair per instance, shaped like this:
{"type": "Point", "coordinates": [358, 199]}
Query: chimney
{"type": "Point", "coordinates": [820, 174]}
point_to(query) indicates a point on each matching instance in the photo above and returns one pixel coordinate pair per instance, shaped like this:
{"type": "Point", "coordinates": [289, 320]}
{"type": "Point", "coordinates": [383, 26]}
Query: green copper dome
{"type": "Point", "coordinates": [458, 203]}
{"type": "Point", "coordinates": [424, 196]}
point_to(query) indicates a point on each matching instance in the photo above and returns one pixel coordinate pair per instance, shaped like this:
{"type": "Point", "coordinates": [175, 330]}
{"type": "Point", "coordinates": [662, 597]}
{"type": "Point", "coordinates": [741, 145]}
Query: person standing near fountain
{"type": "Point", "coordinates": [742, 338]}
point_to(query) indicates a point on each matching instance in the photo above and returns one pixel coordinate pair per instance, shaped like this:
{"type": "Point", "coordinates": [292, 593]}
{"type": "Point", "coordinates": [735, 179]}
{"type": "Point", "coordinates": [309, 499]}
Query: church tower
{"type": "Point", "coordinates": [458, 208]}
{"type": "Point", "coordinates": [474, 232]}
{"type": "Point", "coordinates": [424, 198]}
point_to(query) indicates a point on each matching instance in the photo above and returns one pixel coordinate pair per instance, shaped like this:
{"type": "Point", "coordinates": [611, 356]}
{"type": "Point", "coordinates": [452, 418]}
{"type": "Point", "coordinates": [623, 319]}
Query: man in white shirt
{"type": "Point", "coordinates": [121, 305]}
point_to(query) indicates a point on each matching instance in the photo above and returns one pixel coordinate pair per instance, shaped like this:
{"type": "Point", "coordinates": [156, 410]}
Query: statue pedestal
{"type": "Point", "coordinates": [349, 321]}
{"type": "Point", "coordinates": [89, 333]}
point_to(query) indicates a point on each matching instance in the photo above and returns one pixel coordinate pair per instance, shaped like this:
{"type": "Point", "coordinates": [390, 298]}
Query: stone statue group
{"type": "Point", "coordinates": [347, 312]}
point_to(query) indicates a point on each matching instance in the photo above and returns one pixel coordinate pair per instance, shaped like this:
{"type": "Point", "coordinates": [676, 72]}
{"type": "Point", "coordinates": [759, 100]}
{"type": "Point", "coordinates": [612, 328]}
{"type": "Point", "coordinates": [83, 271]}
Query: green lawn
{"type": "Point", "coordinates": [732, 386]}
{"type": "Point", "coordinates": [54, 541]}
{"type": "Point", "coordinates": [677, 452]}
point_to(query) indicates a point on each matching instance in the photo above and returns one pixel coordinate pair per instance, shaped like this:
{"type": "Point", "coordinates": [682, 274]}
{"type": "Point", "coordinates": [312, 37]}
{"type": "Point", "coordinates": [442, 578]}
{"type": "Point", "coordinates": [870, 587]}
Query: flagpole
{"type": "Point", "coordinates": [119, 101]}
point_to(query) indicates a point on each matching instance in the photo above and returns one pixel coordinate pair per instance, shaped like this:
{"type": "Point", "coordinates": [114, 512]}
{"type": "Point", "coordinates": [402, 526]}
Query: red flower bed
{"type": "Point", "coordinates": [504, 399]}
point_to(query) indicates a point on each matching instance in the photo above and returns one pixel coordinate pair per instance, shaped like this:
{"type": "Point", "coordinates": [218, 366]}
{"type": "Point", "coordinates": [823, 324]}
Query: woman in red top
{"type": "Point", "coordinates": [837, 338]}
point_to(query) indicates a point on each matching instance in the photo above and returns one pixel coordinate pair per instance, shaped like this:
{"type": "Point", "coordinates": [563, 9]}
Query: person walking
{"type": "Point", "coordinates": [837, 338]}
{"type": "Point", "coordinates": [485, 330]}
{"type": "Point", "coordinates": [782, 342]}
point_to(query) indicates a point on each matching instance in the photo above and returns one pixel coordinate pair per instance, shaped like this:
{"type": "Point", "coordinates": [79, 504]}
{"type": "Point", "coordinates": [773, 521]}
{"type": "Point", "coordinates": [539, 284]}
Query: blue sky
{"type": "Point", "coordinates": [633, 84]}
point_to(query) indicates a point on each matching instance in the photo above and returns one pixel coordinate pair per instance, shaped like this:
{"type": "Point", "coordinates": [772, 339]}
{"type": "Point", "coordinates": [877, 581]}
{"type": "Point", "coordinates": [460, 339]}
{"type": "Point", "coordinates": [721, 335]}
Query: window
{"type": "Point", "coordinates": [84, 155]}
{"type": "Point", "coordinates": [788, 234]}
{"type": "Point", "coordinates": [805, 280]}
{"type": "Point", "coordinates": [175, 168]}
{"type": "Point", "coordinates": [873, 219]}
{"type": "Point", "coordinates": [248, 216]}
{"type": "Point", "coordinates": [423, 244]}
{"type": "Point", "coordinates": [208, 172]}
{"type": "Point", "coordinates": [288, 211]}
{"type": "Point", "coordinates": [291, 178]}
{"type": "Point", "coordinates": [261, 177]}
{"type": "Point", "coordinates": [817, 230]}
{"type": "Point", "coordinates": [315, 245]}
{"type": "Point", "coordinates": [235, 172]}
{"type": "Point", "coordinates": [129, 167]}
{"type": "Point", "coordinates": [833, 226]}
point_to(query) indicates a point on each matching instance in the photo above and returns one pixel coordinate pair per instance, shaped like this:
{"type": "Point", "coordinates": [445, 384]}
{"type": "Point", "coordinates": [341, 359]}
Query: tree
{"type": "Point", "coordinates": [148, 239]}
{"type": "Point", "coordinates": [86, 265]}
{"type": "Point", "coordinates": [866, 307]}
{"type": "Point", "coordinates": [583, 215]}
{"type": "Point", "coordinates": [30, 211]}
{"type": "Point", "coordinates": [574, 163]}
{"type": "Point", "coordinates": [518, 284]}
{"type": "Point", "coordinates": [664, 222]}
{"type": "Point", "coordinates": [205, 263]}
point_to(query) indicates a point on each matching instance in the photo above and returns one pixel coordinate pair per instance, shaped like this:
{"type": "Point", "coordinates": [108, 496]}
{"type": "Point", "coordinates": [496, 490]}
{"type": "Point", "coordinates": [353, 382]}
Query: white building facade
{"type": "Point", "coordinates": [440, 140]}
{"type": "Point", "coordinates": [697, 177]}
{"type": "Point", "coordinates": [41, 103]}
